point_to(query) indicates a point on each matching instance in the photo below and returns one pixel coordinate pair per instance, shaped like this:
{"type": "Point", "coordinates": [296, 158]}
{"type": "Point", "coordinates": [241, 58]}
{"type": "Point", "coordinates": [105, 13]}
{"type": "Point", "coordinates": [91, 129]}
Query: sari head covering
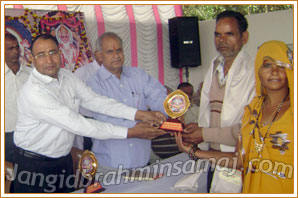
{"type": "Point", "coordinates": [283, 56]}
{"type": "Point", "coordinates": [272, 142]}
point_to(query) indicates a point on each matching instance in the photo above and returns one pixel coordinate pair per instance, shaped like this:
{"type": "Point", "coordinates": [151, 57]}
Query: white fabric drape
{"type": "Point", "coordinates": [171, 75]}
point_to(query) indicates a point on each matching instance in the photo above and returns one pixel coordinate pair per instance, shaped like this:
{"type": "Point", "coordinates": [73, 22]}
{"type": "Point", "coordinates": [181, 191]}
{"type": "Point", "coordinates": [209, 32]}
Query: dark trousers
{"type": "Point", "coordinates": [87, 144]}
{"type": "Point", "coordinates": [9, 147]}
{"type": "Point", "coordinates": [45, 175]}
{"type": "Point", "coordinates": [210, 178]}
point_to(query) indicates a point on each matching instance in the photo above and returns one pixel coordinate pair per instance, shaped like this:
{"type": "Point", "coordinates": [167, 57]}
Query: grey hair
{"type": "Point", "coordinates": [101, 37]}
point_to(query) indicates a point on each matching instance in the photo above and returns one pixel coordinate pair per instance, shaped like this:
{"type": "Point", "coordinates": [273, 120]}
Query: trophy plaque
{"type": "Point", "coordinates": [88, 165]}
{"type": "Point", "coordinates": [175, 105]}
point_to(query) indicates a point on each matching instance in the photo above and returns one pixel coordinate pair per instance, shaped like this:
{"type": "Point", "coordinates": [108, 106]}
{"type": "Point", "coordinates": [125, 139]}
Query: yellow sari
{"type": "Point", "coordinates": [272, 169]}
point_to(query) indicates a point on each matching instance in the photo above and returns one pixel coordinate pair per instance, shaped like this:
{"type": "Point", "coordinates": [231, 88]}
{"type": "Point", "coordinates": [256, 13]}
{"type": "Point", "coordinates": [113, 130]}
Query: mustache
{"type": "Point", "coordinates": [50, 65]}
{"type": "Point", "coordinates": [223, 45]}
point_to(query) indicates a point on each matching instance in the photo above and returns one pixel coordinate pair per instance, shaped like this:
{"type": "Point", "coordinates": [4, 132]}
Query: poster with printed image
{"type": "Point", "coordinates": [67, 27]}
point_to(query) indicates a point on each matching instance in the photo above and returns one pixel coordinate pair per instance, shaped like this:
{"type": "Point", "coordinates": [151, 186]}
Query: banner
{"type": "Point", "coordinates": [67, 27]}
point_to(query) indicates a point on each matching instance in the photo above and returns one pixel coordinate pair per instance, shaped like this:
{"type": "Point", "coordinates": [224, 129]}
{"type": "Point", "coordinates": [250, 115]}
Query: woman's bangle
{"type": "Point", "coordinates": [195, 148]}
{"type": "Point", "coordinates": [192, 152]}
{"type": "Point", "coordinates": [189, 152]}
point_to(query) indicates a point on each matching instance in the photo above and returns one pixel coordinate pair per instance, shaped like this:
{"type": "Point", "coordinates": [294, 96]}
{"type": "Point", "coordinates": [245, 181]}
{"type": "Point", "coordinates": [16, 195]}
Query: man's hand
{"type": "Point", "coordinates": [155, 118]}
{"type": "Point", "coordinates": [145, 131]}
{"type": "Point", "coordinates": [192, 134]}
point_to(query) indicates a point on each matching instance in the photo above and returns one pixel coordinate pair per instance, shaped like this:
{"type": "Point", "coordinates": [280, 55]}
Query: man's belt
{"type": "Point", "coordinates": [33, 155]}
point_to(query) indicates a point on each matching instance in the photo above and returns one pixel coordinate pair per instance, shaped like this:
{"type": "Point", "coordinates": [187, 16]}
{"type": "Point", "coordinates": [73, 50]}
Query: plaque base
{"type": "Point", "coordinates": [94, 187]}
{"type": "Point", "coordinates": [172, 125]}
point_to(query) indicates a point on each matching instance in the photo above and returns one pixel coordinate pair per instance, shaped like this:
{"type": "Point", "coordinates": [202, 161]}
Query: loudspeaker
{"type": "Point", "coordinates": [184, 42]}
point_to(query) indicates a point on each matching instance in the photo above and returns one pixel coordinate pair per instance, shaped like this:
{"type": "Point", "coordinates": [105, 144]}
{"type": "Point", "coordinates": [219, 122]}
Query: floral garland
{"type": "Point", "coordinates": [83, 43]}
{"type": "Point", "coordinates": [35, 30]}
{"type": "Point", "coordinates": [25, 20]}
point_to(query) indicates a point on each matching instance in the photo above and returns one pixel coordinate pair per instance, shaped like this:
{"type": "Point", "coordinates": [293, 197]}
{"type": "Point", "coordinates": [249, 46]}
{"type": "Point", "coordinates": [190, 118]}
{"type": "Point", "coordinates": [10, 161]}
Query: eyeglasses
{"type": "Point", "coordinates": [43, 55]}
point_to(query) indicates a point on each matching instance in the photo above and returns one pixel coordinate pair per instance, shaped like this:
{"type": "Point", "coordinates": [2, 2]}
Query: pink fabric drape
{"type": "Point", "coordinates": [133, 36]}
{"type": "Point", "coordinates": [100, 20]}
{"type": "Point", "coordinates": [62, 7]}
{"type": "Point", "coordinates": [159, 44]}
{"type": "Point", "coordinates": [18, 6]}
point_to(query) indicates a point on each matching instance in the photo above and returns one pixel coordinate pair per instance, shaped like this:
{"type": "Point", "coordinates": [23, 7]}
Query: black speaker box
{"type": "Point", "coordinates": [184, 42]}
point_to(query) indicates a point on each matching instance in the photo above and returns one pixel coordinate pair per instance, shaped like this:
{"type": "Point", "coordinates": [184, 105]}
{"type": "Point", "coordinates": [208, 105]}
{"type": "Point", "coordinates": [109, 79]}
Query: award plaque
{"type": "Point", "coordinates": [88, 165]}
{"type": "Point", "coordinates": [175, 105]}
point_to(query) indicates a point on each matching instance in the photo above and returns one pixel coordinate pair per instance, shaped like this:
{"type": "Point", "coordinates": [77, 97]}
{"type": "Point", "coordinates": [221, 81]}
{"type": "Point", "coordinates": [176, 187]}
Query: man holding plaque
{"type": "Point", "coordinates": [48, 120]}
{"type": "Point", "coordinates": [133, 87]}
{"type": "Point", "coordinates": [228, 87]}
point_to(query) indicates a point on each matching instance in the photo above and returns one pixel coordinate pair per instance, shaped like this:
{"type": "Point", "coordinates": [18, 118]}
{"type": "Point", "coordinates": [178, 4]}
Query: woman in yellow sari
{"type": "Point", "coordinates": [266, 141]}
{"type": "Point", "coordinates": [268, 124]}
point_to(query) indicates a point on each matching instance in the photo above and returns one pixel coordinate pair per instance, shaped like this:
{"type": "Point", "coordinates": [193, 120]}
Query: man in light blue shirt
{"type": "Point", "coordinates": [131, 86]}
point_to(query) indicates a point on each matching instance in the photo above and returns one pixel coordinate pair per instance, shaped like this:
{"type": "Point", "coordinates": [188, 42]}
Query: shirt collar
{"type": "Point", "coordinates": [44, 78]}
{"type": "Point", "coordinates": [217, 63]}
{"type": "Point", "coordinates": [125, 71]}
{"type": "Point", "coordinates": [105, 74]}
{"type": "Point", "coordinates": [7, 69]}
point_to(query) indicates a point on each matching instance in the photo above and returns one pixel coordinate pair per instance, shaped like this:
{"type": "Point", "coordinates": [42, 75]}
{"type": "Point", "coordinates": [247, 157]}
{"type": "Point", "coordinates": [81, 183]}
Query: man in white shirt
{"type": "Point", "coordinates": [83, 73]}
{"type": "Point", "coordinates": [48, 121]}
{"type": "Point", "coordinates": [15, 77]}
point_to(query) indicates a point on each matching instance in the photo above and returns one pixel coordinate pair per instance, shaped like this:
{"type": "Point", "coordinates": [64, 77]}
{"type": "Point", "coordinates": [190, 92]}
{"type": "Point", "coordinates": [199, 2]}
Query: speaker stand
{"type": "Point", "coordinates": [187, 74]}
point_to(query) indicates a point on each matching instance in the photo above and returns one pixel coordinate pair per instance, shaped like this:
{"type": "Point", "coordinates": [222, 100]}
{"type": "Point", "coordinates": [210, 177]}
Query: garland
{"type": "Point", "coordinates": [52, 21]}
{"type": "Point", "coordinates": [25, 20]}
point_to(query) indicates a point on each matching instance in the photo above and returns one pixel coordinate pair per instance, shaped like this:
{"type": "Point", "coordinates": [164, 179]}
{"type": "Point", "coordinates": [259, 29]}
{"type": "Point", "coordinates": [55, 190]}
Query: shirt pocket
{"type": "Point", "coordinates": [140, 102]}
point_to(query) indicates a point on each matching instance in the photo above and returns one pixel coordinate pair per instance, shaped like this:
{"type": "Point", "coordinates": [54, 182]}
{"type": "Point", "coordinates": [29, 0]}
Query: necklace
{"type": "Point", "coordinates": [259, 146]}
{"type": "Point", "coordinates": [267, 122]}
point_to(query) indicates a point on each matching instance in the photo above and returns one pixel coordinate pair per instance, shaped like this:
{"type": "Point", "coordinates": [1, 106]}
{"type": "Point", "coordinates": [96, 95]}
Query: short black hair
{"type": "Point", "coordinates": [184, 84]}
{"type": "Point", "coordinates": [44, 37]}
{"type": "Point", "coordinates": [10, 36]}
{"type": "Point", "coordinates": [241, 20]}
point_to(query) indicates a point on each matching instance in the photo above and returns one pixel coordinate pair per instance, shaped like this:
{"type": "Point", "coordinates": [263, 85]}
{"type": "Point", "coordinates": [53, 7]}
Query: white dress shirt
{"type": "Point", "coordinates": [13, 84]}
{"type": "Point", "coordinates": [83, 73]}
{"type": "Point", "coordinates": [49, 119]}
